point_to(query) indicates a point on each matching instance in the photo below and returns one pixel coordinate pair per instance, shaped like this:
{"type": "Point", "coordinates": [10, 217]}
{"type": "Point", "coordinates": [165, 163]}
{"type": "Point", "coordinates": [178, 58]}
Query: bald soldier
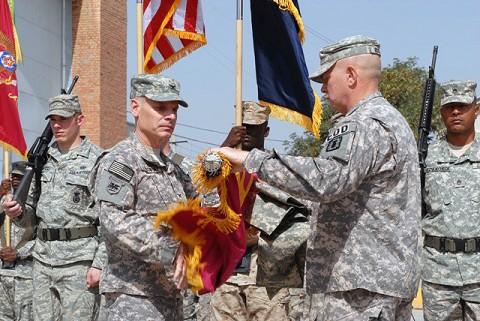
{"type": "Point", "coordinates": [132, 182]}
{"type": "Point", "coordinates": [364, 251]}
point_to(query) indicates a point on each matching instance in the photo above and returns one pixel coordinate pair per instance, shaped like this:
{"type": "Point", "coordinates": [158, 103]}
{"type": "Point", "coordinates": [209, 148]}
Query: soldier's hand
{"type": "Point", "coordinates": [93, 277]}
{"type": "Point", "coordinates": [180, 268]}
{"type": "Point", "coordinates": [5, 186]}
{"type": "Point", "coordinates": [8, 254]}
{"type": "Point", "coordinates": [235, 156]}
{"type": "Point", "coordinates": [235, 136]}
{"type": "Point", "coordinates": [10, 207]}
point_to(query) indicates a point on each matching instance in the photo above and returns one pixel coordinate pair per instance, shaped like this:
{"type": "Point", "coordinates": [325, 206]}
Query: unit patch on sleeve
{"type": "Point", "coordinates": [339, 143]}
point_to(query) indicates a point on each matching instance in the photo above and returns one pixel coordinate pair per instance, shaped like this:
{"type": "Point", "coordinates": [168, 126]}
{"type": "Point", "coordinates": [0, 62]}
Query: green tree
{"type": "Point", "coordinates": [307, 144]}
{"type": "Point", "coordinates": [402, 84]}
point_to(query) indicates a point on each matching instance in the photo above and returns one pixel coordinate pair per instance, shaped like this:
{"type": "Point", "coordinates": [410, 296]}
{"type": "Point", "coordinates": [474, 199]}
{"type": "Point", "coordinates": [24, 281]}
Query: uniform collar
{"type": "Point", "coordinates": [81, 150]}
{"type": "Point", "coordinates": [147, 153]}
{"type": "Point", "coordinates": [371, 96]}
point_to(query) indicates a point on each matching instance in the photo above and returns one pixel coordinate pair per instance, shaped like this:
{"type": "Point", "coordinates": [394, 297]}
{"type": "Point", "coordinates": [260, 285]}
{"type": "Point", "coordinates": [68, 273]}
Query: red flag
{"type": "Point", "coordinates": [11, 135]}
{"type": "Point", "coordinates": [215, 236]}
{"type": "Point", "coordinates": [171, 30]}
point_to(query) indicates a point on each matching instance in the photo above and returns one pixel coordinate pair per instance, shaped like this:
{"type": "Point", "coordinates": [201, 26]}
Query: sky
{"type": "Point", "coordinates": [405, 28]}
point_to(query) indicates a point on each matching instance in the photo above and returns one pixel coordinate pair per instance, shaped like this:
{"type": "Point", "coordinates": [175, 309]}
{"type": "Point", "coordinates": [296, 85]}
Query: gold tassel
{"type": "Point", "coordinates": [287, 5]}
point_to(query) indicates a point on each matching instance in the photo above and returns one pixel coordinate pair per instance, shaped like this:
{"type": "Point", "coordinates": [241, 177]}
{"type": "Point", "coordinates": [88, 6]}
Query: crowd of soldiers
{"type": "Point", "coordinates": [334, 237]}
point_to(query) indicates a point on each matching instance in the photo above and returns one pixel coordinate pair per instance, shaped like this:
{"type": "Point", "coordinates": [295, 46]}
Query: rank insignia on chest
{"type": "Point", "coordinates": [476, 165]}
{"type": "Point", "coordinates": [437, 169]}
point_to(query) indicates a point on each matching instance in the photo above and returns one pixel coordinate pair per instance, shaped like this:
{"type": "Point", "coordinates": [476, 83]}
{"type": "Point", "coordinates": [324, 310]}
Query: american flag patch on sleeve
{"type": "Point", "coordinates": [121, 170]}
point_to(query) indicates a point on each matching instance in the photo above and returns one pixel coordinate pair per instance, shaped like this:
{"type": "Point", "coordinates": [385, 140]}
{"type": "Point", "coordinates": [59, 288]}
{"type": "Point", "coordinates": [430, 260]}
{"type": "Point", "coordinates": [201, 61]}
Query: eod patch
{"type": "Point", "coordinates": [339, 143]}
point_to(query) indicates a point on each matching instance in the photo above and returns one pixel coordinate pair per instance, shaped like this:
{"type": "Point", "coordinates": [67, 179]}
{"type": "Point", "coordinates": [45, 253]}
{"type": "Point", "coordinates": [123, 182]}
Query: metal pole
{"type": "Point", "coordinates": [139, 37]}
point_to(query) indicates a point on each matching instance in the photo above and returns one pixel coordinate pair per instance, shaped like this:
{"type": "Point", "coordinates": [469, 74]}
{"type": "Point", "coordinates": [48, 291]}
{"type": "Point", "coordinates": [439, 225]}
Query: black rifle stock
{"type": "Point", "coordinates": [37, 157]}
{"type": "Point", "coordinates": [426, 116]}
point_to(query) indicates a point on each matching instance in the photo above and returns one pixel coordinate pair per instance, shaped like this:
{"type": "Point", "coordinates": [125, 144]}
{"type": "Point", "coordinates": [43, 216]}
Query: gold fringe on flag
{"type": "Point", "coordinates": [288, 5]}
{"type": "Point", "coordinates": [311, 124]}
{"type": "Point", "coordinates": [200, 41]}
{"type": "Point", "coordinates": [194, 241]}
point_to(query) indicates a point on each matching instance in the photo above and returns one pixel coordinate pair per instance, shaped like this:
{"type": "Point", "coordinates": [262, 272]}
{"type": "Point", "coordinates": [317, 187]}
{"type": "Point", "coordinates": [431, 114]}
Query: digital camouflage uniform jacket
{"type": "Point", "coordinates": [21, 239]}
{"type": "Point", "coordinates": [132, 185]}
{"type": "Point", "coordinates": [65, 202]}
{"type": "Point", "coordinates": [452, 197]}
{"type": "Point", "coordinates": [367, 182]}
{"type": "Point", "coordinates": [284, 230]}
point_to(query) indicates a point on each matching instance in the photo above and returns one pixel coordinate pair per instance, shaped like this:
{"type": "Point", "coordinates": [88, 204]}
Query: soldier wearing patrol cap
{"type": "Point", "coordinates": [451, 252]}
{"type": "Point", "coordinates": [68, 253]}
{"type": "Point", "coordinates": [267, 283]}
{"type": "Point", "coordinates": [364, 250]}
{"type": "Point", "coordinates": [132, 182]}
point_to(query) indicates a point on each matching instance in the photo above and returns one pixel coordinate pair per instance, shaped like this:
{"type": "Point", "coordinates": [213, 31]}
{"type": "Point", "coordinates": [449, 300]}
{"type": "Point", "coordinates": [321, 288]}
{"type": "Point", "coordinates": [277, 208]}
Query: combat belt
{"type": "Point", "coordinates": [452, 245]}
{"type": "Point", "coordinates": [66, 234]}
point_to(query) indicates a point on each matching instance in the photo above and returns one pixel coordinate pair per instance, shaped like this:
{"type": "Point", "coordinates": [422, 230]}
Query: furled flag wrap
{"type": "Point", "coordinates": [215, 236]}
{"type": "Point", "coordinates": [11, 134]}
{"type": "Point", "coordinates": [282, 75]}
{"type": "Point", "coordinates": [171, 30]}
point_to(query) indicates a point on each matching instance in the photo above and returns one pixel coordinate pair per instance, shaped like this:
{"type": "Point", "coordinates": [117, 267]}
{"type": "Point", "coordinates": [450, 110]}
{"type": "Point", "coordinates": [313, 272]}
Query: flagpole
{"type": "Point", "coordinates": [6, 170]}
{"type": "Point", "coordinates": [238, 89]}
{"type": "Point", "coordinates": [139, 37]}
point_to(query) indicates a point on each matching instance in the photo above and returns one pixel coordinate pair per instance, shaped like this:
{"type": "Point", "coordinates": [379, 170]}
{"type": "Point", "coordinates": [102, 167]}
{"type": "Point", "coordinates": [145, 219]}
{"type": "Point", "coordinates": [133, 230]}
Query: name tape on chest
{"type": "Point", "coordinates": [437, 169]}
{"type": "Point", "coordinates": [121, 170]}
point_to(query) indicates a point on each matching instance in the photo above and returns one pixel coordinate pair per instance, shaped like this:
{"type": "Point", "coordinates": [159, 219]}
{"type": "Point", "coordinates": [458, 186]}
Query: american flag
{"type": "Point", "coordinates": [171, 30]}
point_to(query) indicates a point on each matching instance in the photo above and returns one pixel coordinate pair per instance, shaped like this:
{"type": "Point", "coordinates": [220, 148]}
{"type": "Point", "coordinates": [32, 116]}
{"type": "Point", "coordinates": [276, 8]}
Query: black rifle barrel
{"type": "Point", "coordinates": [37, 157]}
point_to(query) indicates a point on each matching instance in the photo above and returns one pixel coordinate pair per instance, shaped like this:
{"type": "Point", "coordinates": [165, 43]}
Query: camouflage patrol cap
{"type": "Point", "coordinates": [348, 47]}
{"type": "Point", "coordinates": [254, 113]}
{"type": "Point", "coordinates": [458, 92]}
{"type": "Point", "coordinates": [156, 87]}
{"type": "Point", "coordinates": [19, 168]}
{"type": "Point", "coordinates": [64, 105]}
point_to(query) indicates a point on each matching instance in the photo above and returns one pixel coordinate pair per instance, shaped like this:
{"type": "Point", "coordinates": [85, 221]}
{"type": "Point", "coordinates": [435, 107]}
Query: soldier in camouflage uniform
{"type": "Point", "coordinates": [365, 250]}
{"type": "Point", "coordinates": [16, 273]}
{"type": "Point", "coordinates": [68, 254]}
{"type": "Point", "coordinates": [451, 252]}
{"type": "Point", "coordinates": [267, 284]}
{"type": "Point", "coordinates": [132, 182]}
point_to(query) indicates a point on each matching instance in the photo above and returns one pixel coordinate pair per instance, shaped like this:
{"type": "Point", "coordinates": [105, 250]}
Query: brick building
{"type": "Point", "coordinates": [63, 38]}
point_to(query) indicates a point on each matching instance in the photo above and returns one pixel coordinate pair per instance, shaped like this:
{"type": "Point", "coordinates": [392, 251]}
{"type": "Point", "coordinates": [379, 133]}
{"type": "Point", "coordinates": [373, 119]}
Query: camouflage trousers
{"type": "Point", "coordinates": [242, 303]}
{"type": "Point", "coordinates": [363, 305]}
{"type": "Point", "coordinates": [452, 303]}
{"type": "Point", "coordinates": [61, 293]}
{"type": "Point", "coordinates": [125, 307]}
{"type": "Point", "coordinates": [15, 298]}
{"type": "Point", "coordinates": [190, 306]}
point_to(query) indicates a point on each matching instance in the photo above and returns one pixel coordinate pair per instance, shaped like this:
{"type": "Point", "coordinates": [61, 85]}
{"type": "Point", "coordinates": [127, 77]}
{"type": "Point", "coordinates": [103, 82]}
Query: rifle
{"type": "Point", "coordinates": [37, 157]}
{"type": "Point", "coordinates": [426, 117]}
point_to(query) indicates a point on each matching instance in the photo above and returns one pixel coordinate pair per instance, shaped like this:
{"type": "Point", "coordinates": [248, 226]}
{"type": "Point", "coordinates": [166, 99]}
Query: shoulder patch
{"type": "Point", "coordinates": [121, 170]}
{"type": "Point", "coordinates": [339, 143]}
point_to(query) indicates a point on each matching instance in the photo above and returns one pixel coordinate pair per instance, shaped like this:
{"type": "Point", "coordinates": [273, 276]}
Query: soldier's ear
{"type": "Point", "coordinates": [134, 106]}
{"type": "Point", "coordinates": [267, 131]}
{"type": "Point", "coordinates": [80, 119]}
